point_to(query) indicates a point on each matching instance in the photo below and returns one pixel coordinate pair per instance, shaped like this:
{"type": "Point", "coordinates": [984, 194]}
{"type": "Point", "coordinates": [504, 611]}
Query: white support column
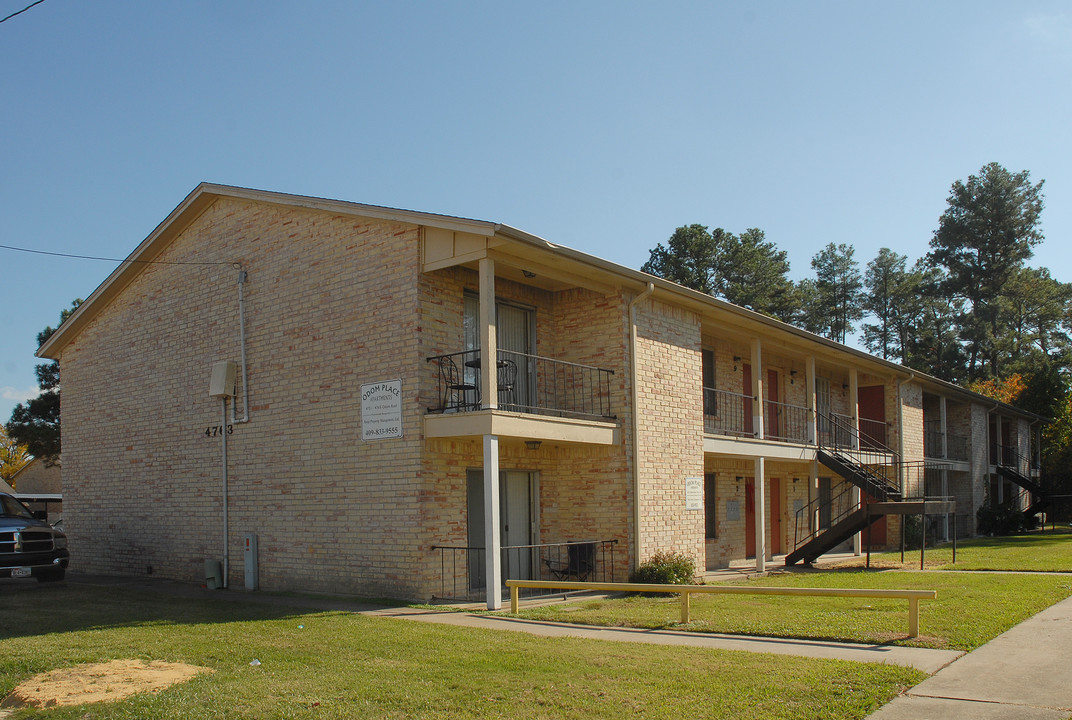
{"type": "Point", "coordinates": [813, 417]}
{"type": "Point", "coordinates": [757, 390]}
{"type": "Point", "coordinates": [492, 523]}
{"type": "Point", "coordinates": [489, 352]}
{"type": "Point", "coordinates": [761, 515]}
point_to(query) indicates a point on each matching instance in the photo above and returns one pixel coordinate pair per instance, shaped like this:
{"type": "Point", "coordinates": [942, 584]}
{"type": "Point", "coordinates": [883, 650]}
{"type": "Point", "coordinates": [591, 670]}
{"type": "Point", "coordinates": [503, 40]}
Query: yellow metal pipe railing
{"type": "Point", "coordinates": [686, 591]}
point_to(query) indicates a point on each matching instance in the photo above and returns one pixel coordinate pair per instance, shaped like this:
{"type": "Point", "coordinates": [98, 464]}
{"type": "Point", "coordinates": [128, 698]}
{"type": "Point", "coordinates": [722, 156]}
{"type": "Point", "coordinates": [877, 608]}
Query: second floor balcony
{"type": "Point", "coordinates": [524, 384]}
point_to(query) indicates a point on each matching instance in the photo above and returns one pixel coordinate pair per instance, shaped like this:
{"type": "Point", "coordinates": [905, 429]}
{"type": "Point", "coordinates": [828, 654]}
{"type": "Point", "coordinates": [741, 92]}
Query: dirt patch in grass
{"type": "Point", "coordinates": [99, 682]}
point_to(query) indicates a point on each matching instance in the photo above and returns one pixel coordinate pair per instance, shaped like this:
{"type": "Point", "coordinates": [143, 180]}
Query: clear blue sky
{"type": "Point", "coordinates": [598, 125]}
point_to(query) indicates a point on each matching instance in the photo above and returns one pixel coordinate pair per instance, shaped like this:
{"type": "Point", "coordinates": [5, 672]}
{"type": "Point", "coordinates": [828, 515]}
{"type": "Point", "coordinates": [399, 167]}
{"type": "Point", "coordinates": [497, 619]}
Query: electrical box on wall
{"type": "Point", "coordinates": [223, 379]}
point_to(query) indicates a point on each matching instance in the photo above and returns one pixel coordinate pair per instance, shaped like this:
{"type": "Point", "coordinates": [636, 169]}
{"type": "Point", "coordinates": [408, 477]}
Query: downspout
{"type": "Point", "coordinates": [636, 418]}
{"type": "Point", "coordinates": [242, 276]}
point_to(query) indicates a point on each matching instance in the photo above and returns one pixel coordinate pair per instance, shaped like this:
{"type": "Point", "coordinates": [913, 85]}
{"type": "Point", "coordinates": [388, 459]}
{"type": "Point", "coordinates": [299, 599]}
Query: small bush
{"type": "Point", "coordinates": [666, 568]}
{"type": "Point", "coordinates": [1003, 519]}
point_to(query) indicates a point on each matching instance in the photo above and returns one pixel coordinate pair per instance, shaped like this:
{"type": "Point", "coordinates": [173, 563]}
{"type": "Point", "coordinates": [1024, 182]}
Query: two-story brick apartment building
{"type": "Point", "coordinates": [368, 443]}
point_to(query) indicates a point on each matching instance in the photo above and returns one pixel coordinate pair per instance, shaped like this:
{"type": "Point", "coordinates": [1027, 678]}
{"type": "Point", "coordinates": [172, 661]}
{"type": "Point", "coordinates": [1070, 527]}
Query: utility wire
{"type": "Point", "coordinates": [20, 12]}
{"type": "Point", "coordinates": [91, 257]}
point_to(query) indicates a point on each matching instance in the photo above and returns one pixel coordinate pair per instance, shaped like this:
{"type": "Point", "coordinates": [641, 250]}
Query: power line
{"type": "Point", "coordinates": [118, 260]}
{"type": "Point", "coordinates": [20, 12]}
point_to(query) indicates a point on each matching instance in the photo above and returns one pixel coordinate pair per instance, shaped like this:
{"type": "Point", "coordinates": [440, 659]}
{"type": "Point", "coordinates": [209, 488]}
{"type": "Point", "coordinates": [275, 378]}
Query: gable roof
{"type": "Point", "coordinates": [205, 194]}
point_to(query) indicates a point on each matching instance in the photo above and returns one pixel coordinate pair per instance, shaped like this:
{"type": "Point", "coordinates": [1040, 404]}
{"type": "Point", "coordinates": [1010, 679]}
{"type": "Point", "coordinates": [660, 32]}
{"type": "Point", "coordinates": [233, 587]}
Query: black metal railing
{"type": "Point", "coordinates": [937, 444]}
{"type": "Point", "coordinates": [788, 423]}
{"type": "Point", "coordinates": [728, 413]}
{"type": "Point", "coordinates": [526, 383]}
{"type": "Point", "coordinates": [875, 467]}
{"type": "Point", "coordinates": [873, 433]}
{"type": "Point", "coordinates": [463, 571]}
{"type": "Point", "coordinates": [821, 514]}
{"type": "Point", "coordinates": [1004, 454]}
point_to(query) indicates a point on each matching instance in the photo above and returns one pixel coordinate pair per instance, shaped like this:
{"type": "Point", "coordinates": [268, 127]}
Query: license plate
{"type": "Point", "coordinates": [20, 572]}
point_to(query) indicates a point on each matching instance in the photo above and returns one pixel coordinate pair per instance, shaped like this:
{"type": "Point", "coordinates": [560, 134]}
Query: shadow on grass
{"type": "Point", "coordinates": [32, 608]}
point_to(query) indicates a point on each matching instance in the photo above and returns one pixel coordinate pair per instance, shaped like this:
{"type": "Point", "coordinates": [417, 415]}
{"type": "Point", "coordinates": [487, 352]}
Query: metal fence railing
{"type": "Point", "coordinates": [463, 571]}
{"type": "Point", "coordinates": [526, 383]}
{"type": "Point", "coordinates": [727, 413]}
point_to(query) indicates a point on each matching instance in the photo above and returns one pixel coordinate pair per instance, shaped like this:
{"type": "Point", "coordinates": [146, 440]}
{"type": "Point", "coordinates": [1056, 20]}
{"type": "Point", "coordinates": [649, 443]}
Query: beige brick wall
{"type": "Point", "coordinates": [670, 421]}
{"type": "Point", "coordinates": [330, 304]}
{"type": "Point", "coordinates": [584, 492]}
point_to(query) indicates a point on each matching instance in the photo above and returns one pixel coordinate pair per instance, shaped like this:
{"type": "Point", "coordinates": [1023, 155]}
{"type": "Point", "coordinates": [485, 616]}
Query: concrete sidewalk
{"type": "Point", "coordinates": [925, 659]}
{"type": "Point", "coordinates": [1023, 674]}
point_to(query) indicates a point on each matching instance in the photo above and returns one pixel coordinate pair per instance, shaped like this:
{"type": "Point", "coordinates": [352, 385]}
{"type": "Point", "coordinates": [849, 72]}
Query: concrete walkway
{"type": "Point", "coordinates": [1023, 674]}
{"type": "Point", "coordinates": [925, 659]}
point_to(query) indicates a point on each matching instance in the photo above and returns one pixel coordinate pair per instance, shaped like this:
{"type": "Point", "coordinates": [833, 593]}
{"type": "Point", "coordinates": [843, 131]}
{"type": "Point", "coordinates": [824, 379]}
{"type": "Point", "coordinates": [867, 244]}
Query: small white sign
{"type": "Point", "coordinates": [381, 410]}
{"type": "Point", "coordinates": [694, 493]}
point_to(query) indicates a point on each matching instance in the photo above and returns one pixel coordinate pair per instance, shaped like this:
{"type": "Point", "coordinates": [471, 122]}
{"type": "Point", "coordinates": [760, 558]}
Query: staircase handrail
{"type": "Point", "coordinates": [865, 452]}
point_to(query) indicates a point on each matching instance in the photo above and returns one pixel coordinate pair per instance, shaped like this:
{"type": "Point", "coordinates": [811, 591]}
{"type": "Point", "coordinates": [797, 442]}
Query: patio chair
{"type": "Point", "coordinates": [579, 564]}
{"type": "Point", "coordinates": [461, 394]}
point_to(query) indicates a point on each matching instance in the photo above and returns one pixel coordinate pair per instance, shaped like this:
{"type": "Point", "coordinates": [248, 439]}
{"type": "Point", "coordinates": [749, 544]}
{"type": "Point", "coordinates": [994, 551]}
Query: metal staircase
{"type": "Point", "coordinates": [861, 460]}
{"type": "Point", "coordinates": [1009, 467]}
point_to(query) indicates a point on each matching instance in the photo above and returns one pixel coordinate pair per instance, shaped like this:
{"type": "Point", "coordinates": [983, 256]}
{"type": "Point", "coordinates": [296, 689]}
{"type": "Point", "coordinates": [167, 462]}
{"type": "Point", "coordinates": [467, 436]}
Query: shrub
{"type": "Point", "coordinates": [666, 568]}
{"type": "Point", "coordinates": [1003, 519]}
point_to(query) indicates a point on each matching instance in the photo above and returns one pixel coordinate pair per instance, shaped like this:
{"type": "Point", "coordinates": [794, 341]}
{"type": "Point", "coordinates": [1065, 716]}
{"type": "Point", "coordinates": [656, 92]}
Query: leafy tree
{"type": "Point", "coordinates": [690, 260]}
{"type": "Point", "coordinates": [747, 270]}
{"type": "Point", "coordinates": [36, 423]}
{"type": "Point", "coordinates": [754, 274]}
{"type": "Point", "coordinates": [889, 295]}
{"type": "Point", "coordinates": [985, 235]}
{"type": "Point", "coordinates": [13, 456]}
{"type": "Point", "coordinates": [1035, 310]}
{"type": "Point", "coordinates": [839, 288]}
{"type": "Point", "coordinates": [929, 328]}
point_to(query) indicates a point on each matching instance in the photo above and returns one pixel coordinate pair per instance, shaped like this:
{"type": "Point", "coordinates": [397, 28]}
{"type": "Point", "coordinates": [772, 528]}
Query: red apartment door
{"type": "Point", "coordinates": [878, 530]}
{"type": "Point", "coordinates": [771, 398]}
{"type": "Point", "coordinates": [872, 401]}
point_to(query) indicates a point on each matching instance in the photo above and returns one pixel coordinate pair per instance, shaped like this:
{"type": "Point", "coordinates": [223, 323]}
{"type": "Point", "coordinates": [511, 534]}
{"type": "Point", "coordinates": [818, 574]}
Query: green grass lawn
{"type": "Point", "coordinates": [970, 609]}
{"type": "Point", "coordinates": [344, 665]}
{"type": "Point", "coordinates": [1044, 551]}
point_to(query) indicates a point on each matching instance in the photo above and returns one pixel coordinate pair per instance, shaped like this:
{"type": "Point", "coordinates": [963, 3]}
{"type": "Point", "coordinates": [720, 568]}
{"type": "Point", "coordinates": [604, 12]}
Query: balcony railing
{"type": "Point", "coordinates": [956, 446]}
{"type": "Point", "coordinates": [526, 383]}
{"type": "Point", "coordinates": [788, 423]}
{"type": "Point", "coordinates": [1004, 454]}
{"type": "Point", "coordinates": [463, 572]}
{"type": "Point", "coordinates": [727, 413]}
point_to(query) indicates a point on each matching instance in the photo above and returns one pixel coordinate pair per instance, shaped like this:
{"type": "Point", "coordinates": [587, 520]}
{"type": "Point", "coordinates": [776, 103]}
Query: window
{"type": "Point", "coordinates": [710, 506]}
{"type": "Point", "coordinates": [710, 398]}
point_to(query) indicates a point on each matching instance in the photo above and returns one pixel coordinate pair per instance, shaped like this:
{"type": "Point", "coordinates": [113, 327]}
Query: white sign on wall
{"type": "Point", "coordinates": [694, 493]}
{"type": "Point", "coordinates": [381, 410]}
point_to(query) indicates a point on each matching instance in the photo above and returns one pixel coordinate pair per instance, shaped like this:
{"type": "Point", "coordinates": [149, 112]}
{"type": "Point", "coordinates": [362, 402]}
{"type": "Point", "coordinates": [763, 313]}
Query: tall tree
{"type": "Point", "coordinates": [984, 236]}
{"type": "Point", "coordinates": [888, 298]}
{"type": "Point", "coordinates": [754, 274]}
{"type": "Point", "coordinates": [36, 423]}
{"type": "Point", "coordinates": [839, 286]}
{"type": "Point", "coordinates": [690, 260]}
{"type": "Point", "coordinates": [746, 270]}
{"type": "Point", "coordinates": [1036, 309]}
{"type": "Point", "coordinates": [929, 328]}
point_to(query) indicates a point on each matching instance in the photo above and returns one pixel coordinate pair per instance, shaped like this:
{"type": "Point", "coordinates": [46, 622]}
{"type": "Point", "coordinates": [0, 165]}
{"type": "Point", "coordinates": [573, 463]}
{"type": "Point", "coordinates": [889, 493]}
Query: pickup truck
{"type": "Point", "coordinates": [29, 547]}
